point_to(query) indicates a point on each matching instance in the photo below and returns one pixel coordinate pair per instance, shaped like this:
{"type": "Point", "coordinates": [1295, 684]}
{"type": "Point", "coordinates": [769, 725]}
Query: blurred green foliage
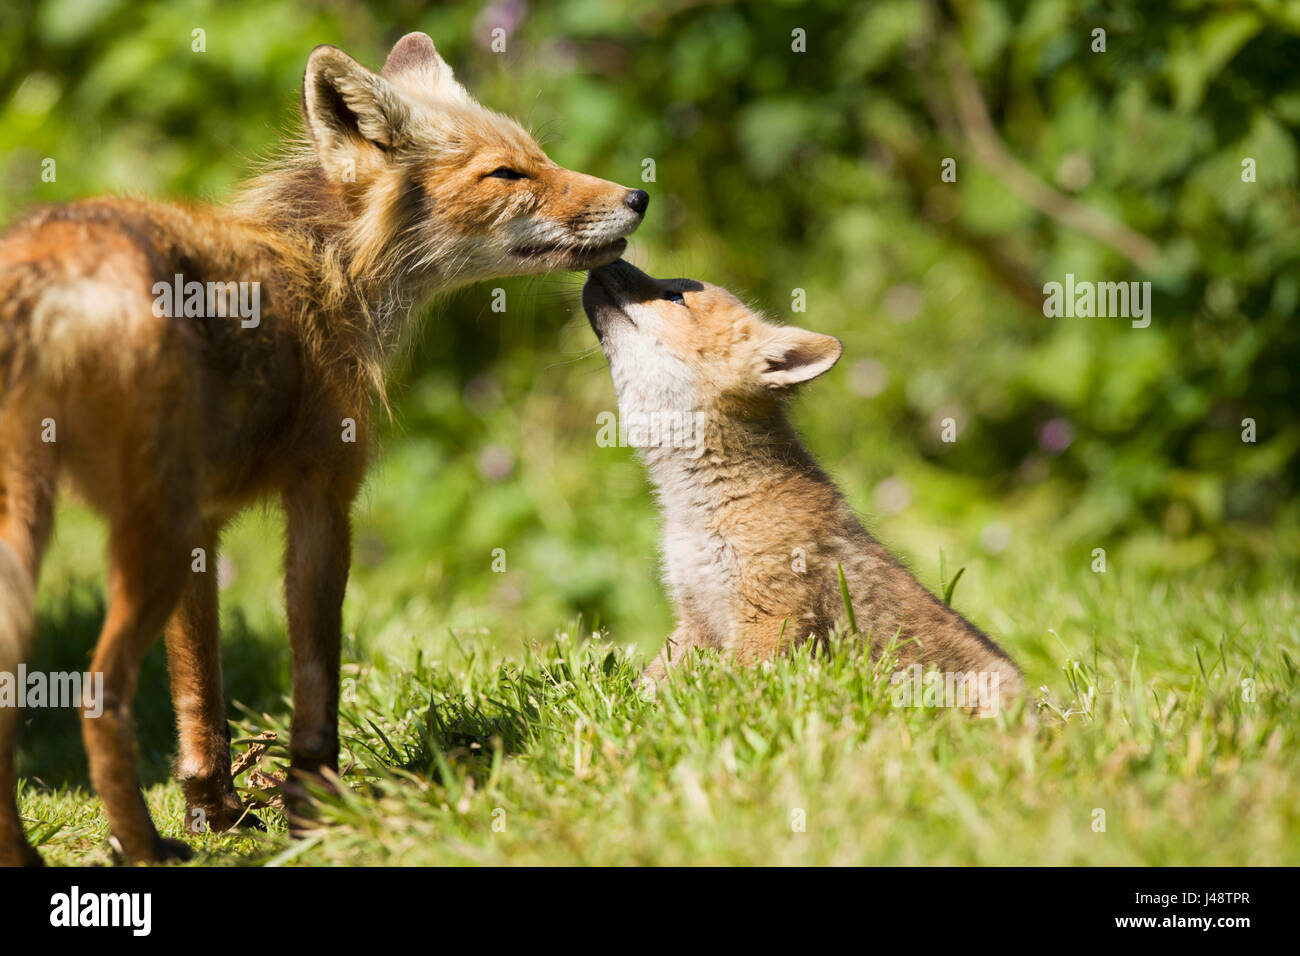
{"type": "Point", "coordinates": [778, 171]}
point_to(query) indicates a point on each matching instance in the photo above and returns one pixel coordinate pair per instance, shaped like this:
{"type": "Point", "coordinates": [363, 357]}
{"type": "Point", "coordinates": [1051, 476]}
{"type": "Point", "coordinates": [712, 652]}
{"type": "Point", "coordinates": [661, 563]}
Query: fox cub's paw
{"type": "Point", "coordinates": [655, 672]}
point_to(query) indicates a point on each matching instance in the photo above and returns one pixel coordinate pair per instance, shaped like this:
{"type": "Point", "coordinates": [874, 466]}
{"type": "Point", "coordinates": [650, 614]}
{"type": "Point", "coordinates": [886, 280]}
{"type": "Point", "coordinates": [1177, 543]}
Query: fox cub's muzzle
{"type": "Point", "coordinates": [613, 288]}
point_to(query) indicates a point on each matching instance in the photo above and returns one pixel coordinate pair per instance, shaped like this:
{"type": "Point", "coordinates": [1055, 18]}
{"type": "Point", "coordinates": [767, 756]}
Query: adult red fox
{"type": "Point", "coordinates": [178, 362]}
{"type": "Point", "coordinates": [755, 533]}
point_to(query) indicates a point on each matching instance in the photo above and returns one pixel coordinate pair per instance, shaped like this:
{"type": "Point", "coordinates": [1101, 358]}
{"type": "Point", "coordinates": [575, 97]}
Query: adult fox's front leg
{"type": "Point", "coordinates": [316, 576]}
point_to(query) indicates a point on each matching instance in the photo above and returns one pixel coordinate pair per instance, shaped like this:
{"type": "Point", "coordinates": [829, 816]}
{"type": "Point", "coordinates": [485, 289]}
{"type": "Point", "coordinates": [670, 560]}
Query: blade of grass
{"type": "Point", "coordinates": [848, 605]}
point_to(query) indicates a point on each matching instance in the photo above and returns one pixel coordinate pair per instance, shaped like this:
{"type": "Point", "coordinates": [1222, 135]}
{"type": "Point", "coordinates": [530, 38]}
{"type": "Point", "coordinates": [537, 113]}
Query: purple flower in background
{"type": "Point", "coordinates": [496, 463]}
{"type": "Point", "coordinates": [892, 496]}
{"type": "Point", "coordinates": [903, 302]}
{"type": "Point", "coordinates": [504, 14]}
{"type": "Point", "coordinates": [1055, 436]}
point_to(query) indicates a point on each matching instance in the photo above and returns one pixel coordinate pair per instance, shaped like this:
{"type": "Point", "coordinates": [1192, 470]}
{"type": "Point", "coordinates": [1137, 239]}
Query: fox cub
{"type": "Point", "coordinates": [177, 363]}
{"type": "Point", "coordinates": [754, 530]}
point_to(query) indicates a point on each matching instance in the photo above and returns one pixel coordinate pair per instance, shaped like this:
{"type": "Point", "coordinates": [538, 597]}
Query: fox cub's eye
{"type": "Point", "coordinates": [677, 297]}
{"type": "Point", "coordinates": [505, 172]}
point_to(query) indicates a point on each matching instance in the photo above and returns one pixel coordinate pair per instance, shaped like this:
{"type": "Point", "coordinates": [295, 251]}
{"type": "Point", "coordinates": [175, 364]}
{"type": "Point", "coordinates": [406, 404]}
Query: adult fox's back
{"type": "Point", "coordinates": [88, 348]}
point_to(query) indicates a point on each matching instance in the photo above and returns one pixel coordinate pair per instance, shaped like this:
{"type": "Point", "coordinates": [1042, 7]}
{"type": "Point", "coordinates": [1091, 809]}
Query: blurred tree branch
{"type": "Point", "coordinates": [972, 118]}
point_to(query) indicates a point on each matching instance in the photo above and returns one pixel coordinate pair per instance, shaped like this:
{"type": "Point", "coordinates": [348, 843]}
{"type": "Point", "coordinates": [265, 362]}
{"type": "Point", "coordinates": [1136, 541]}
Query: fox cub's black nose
{"type": "Point", "coordinates": [637, 200]}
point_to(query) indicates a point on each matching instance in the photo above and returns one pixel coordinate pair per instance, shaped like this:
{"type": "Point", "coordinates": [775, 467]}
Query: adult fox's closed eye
{"type": "Point", "coordinates": [171, 415]}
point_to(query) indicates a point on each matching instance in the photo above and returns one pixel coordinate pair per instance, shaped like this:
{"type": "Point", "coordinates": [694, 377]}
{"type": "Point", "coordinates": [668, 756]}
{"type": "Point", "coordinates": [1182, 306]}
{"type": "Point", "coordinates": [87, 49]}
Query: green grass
{"type": "Point", "coordinates": [463, 748]}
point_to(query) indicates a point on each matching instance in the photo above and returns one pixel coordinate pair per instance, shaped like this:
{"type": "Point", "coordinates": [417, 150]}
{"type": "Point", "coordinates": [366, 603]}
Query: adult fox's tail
{"type": "Point", "coordinates": [17, 610]}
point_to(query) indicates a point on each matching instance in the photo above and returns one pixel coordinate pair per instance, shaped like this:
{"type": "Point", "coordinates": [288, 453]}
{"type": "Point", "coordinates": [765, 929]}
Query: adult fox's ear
{"type": "Point", "coordinates": [348, 108]}
{"type": "Point", "coordinates": [415, 65]}
{"type": "Point", "coordinates": [792, 356]}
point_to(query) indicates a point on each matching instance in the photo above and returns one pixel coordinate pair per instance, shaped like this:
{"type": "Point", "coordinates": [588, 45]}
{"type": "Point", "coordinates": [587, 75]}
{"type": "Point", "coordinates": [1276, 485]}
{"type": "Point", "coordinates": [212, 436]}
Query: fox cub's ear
{"type": "Point", "coordinates": [793, 355]}
{"type": "Point", "coordinates": [347, 107]}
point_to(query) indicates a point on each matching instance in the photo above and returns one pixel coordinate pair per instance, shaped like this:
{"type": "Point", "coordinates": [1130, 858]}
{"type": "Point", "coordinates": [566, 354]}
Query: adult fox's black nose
{"type": "Point", "coordinates": [637, 200]}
